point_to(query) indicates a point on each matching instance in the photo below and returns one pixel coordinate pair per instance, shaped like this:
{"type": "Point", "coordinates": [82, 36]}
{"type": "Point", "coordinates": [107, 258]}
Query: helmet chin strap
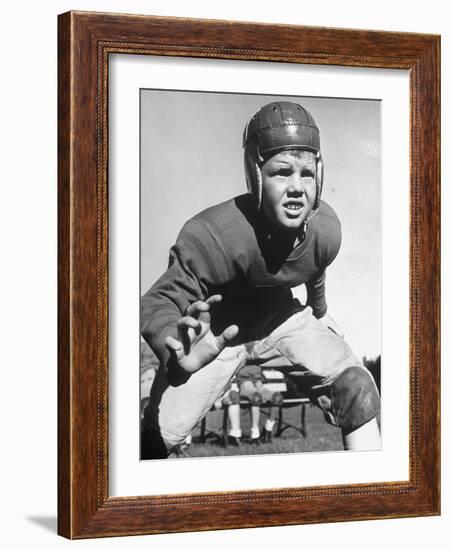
{"type": "Point", "coordinates": [311, 215]}
{"type": "Point", "coordinates": [304, 228]}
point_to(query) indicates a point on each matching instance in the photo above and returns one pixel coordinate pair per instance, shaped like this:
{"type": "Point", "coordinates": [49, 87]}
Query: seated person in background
{"type": "Point", "coordinates": [249, 384]}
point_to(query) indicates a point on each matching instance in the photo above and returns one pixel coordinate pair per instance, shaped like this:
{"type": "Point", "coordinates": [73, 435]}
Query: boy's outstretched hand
{"type": "Point", "coordinates": [196, 345]}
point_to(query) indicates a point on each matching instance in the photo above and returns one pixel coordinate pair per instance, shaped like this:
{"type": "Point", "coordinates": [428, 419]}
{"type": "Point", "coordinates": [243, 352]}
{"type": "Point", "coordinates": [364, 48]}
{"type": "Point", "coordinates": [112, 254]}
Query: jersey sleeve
{"type": "Point", "coordinates": [329, 243]}
{"type": "Point", "coordinates": [315, 289]}
{"type": "Point", "coordinates": [196, 265]}
{"type": "Point", "coordinates": [330, 237]}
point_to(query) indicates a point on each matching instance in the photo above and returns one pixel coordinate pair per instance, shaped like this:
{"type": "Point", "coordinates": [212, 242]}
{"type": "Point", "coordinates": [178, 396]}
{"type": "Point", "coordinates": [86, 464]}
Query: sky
{"type": "Point", "coordinates": [192, 158]}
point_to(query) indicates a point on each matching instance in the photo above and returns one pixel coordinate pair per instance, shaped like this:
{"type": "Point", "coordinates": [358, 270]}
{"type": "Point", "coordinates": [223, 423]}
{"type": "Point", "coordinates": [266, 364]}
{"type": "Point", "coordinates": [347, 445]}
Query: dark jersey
{"type": "Point", "coordinates": [232, 250]}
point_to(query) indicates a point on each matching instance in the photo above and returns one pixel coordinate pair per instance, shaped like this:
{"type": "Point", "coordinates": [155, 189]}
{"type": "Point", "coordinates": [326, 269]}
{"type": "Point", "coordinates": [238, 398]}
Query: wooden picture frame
{"type": "Point", "coordinates": [85, 42]}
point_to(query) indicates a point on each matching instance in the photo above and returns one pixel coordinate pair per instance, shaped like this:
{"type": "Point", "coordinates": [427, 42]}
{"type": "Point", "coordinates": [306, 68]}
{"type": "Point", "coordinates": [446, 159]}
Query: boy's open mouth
{"type": "Point", "coordinates": [293, 206]}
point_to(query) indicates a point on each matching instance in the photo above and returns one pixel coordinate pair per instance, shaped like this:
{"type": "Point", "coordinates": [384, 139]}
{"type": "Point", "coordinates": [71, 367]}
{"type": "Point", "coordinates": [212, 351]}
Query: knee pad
{"type": "Point", "coordinates": [234, 397]}
{"type": "Point", "coordinates": [354, 398]}
{"type": "Point", "coordinates": [277, 398]}
{"type": "Point", "coordinates": [256, 399]}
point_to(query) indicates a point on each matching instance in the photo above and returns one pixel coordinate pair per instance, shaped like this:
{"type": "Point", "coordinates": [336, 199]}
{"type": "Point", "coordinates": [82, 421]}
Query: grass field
{"type": "Point", "coordinates": [320, 436]}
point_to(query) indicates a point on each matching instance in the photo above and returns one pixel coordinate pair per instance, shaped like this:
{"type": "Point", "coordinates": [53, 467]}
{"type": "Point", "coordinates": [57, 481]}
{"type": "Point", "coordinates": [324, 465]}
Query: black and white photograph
{"type": "Point", "coordinates": [260, 239]}
{"type": "Point", "coordinates": [160, 244]}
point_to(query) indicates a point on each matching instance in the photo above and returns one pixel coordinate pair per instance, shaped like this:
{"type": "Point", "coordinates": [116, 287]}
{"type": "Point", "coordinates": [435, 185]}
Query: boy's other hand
{"type": "Point", "coordinates": [196, 345]}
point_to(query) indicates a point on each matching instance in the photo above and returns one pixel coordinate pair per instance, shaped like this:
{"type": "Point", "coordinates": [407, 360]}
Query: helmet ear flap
{"type": "Point", "coordinates": [253, 174]}
{"type": "Point", "coordinates": [258, 184]}
{"type": "Point", "coordinates": [318, 181]}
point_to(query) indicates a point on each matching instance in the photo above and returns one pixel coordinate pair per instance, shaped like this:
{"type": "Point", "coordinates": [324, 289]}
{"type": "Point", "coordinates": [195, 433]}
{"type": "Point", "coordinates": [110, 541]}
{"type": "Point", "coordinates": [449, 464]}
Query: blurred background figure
{"type": "Point", "coordinates": [250, 383]}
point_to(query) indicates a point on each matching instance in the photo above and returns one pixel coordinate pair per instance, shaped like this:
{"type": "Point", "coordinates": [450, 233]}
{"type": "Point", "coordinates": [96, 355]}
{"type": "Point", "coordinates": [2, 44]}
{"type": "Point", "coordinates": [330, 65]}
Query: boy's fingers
{"type": "Point", "coordinates": [204, 317]}
{"type": "Point", "coordinates": [200, 310]}
{"type": "Point", "coordinates": [175, 347]}
{"type": "Point", "coordinates": [215, 299]}
{"type": "Point", "coordinates": [188, 322]}
{"type": "Point", "coordinates": [195, 309]}
{"type": "Point", "coordinates": [185, 335]}
{"type": "Point", "coordinates": [173, 344]}
{"type": "Point", "coordinates": [227, 335]}
{"type": "Point", "coordinates": [211, 301]}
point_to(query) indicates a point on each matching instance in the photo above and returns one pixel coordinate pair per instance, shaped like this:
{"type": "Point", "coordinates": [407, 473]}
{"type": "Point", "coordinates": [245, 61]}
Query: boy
{"type": "Point", "coordinates": [225, 298]}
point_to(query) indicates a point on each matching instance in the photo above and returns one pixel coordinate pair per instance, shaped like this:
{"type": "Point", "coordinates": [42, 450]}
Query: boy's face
{"type": "Point", "coordinates": [289, 188]}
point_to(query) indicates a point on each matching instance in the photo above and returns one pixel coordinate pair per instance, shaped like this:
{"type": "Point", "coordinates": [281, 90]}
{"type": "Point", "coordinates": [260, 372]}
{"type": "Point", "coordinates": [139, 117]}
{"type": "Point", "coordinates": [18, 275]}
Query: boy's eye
{"type": "Point", "coordinates": [307, 173]}
{"type": "Point", "coordinates": [284, 172]}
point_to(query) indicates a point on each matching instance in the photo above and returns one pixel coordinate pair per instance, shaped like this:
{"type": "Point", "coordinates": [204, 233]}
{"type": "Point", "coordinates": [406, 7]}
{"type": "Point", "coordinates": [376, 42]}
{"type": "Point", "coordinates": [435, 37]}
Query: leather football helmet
{"type": "Point", "coordinates": [279, 126]}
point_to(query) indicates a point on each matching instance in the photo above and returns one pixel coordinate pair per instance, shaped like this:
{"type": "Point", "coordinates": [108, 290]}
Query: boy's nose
{"type": "Point", "coordinates": [295, 185]}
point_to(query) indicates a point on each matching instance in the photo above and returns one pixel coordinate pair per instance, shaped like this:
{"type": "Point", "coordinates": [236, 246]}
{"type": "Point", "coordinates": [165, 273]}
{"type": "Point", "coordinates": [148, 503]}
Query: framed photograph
{"type": "Point", "coordinates": [248, 275]}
